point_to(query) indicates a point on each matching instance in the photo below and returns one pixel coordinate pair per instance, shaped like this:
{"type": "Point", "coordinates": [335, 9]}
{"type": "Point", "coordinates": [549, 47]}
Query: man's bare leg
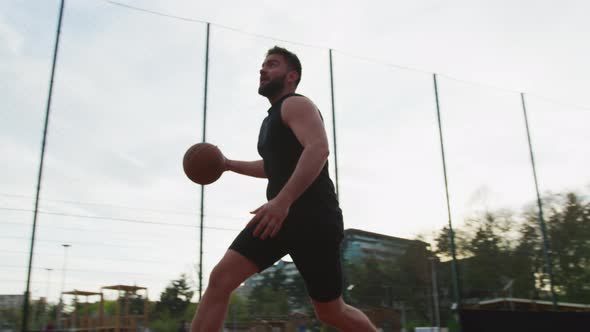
{"type": "Point", "coordinates": [228, 274]}
{"type": "Point", "coordinates": [343, 316]}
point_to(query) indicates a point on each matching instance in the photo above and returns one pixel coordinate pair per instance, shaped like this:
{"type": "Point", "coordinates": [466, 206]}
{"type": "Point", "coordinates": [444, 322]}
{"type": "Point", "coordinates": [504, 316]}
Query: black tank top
{"type": "Point", "coordinates": [280, 149]}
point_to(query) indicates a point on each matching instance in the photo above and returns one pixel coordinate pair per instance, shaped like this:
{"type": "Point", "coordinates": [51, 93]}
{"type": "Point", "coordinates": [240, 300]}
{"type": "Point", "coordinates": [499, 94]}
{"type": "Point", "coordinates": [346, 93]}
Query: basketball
{"type": "Point", "coordinates": [203, 163]}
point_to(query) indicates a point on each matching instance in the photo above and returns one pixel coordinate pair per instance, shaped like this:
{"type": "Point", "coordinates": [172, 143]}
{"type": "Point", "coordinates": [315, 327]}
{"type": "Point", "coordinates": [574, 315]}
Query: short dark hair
{"type": "Point", "coordinates": [293, 62]}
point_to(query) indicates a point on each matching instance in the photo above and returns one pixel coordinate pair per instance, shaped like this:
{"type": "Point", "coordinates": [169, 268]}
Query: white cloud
{"type": "Point", "coordinates": [10, 38]}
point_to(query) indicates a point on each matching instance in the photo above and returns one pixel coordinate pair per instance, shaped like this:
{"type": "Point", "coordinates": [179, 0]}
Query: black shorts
{"type": "Point", "coordinates": [313, 242]}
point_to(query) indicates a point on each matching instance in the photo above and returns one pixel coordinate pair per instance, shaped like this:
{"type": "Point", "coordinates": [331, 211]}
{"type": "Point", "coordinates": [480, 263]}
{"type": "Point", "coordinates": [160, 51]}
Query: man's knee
{"type": "Point", "coordinates": [221, 280]}
{"type": "Point", "coordinates": [329, 314]}
{"type": "Point", "coordinates": [230, 272]}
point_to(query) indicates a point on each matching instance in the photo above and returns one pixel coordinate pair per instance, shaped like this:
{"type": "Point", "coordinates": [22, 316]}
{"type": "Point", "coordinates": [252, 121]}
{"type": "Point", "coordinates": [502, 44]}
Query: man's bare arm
{"type": "Point", "coordinates": [250, 168]}
{"type": "Point", "coordinates": [301, 115]}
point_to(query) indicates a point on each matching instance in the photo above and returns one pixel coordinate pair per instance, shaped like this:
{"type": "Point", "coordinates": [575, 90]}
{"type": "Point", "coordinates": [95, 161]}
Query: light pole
{"type": "Point", "coordinates": [435, 290]}
{"type": "Point", "coordinates": [35, 307]}
{"type": "Point", "coordinates": [46, 315]}
{"type": "Point", "coordinates": [63, 283]}
{"type": "Point", "coordinates": [48, 283]}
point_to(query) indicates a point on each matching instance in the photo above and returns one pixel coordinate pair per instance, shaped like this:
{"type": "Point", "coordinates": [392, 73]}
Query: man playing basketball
{"type": "Point", "coordinates": [302, 217]}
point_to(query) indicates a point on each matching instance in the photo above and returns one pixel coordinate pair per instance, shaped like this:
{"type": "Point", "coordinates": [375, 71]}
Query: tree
{"type": "Point", "coordinates": [502, 256]}
{"type": "Point", "coordinates": [11, 318]}
{"type": "Point", "coordinates": [238, 308]}
{"type": "Point", "coordinates": [388, 284]}
{"type": "Point", "coordinates": [529, 263]}
{"type": "Point", "coordinates": [488, 269]}
{"type": "Point", "coordinates": [569, 231]}
{"type": "Point", "coordinates": [175, 299]}
{"type": "Point", "coordinates": [369, 281]}
{"type": "Point", "coordinates": [297, 293]}
{"type": "Point", "coordinates": [269, 297]}
{"type": "Point", "coordinates": [443, 243]}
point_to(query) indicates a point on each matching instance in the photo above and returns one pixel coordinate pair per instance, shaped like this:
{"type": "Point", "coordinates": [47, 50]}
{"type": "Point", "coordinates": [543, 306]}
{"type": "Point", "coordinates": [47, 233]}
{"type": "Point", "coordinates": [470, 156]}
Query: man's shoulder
{"type": "Point", "coordinates": [296, 99]}
{"type": "Point", "coordinates": [297, 103]}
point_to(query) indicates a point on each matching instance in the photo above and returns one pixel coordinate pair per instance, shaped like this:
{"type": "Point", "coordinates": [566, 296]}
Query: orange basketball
{"type": "Point", "coordinates": [203, 163]}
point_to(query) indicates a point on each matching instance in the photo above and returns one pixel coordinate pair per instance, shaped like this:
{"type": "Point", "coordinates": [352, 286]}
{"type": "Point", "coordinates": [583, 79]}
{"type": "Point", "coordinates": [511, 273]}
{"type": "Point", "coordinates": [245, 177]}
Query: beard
{"type": "Point", "coordinates": [272, 87]}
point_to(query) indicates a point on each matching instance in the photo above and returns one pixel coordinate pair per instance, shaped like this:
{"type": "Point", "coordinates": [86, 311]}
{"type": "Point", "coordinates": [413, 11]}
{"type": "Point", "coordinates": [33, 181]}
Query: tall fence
{"type": "Point", "coordinates": [415, 154]}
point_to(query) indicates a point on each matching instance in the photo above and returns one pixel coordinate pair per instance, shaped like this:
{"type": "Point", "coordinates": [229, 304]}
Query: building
{"type": "Point", "coordinates": [358, 245]}
{"type": "Point", "coordinates": [411, 257]}
{"type": "Point", "coordinates": [11, 302]}
{"type": "Point", "coordinates": [396, 285]}
{"type": "Point", "coordinates": [285, 267]}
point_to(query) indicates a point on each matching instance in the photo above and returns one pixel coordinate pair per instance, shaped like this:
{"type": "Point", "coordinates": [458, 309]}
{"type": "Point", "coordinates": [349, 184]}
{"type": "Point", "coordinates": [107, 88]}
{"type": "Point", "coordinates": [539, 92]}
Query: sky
{"type": "Point", "coordinates": [128, 101]}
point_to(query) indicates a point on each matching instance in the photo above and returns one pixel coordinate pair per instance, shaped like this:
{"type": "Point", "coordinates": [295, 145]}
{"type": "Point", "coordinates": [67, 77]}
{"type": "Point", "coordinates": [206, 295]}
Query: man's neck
{"type": "Point", "coordinates": [278, 96]}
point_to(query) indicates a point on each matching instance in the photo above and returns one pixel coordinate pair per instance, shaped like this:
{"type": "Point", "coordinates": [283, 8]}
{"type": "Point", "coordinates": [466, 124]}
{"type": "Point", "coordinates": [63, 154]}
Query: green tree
{"type": "Point", "coordinates": [175, 299]}
{"type": "Point", "coordinates": [487, 270]}
{"type": "Point", "coordinates": [378, 283]}
{"type": "Point", "coordinates": [269, 297]}
{"type": "Point", "coordinates": [528, 260]}
{"type": "Point", "coordinates": [501, 256]}
{"type": "Point", "coordinates": [443, 243]}
{"type": "Point", "coordinates": [569, 231]}
{"type": "Point", "coordinates": [238, 309]}
{"type": "Point", "coordinates": [266, 302]}
{"type": "Point", "coordinates": [11, 318]}
{"type": "Point", "coordinates": [297, 293]}
{"type": "Point", "coordinates": [369, 281]}
{"type": "Point", "coordinates": [414, 282]}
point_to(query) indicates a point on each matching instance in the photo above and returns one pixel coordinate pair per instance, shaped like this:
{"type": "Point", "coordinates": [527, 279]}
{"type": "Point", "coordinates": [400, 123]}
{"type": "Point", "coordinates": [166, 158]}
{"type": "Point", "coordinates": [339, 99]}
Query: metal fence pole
{"type": "Point", "coordinates": [25, 317]}
{"type": "Point", "coordinates": [202, 186]}
{"type": "Point", "coordinates": [334, 125]}
{"type": "Point", "coordinates": [546, 253]}
{"type": "Point", "coordinates": [454, 265]}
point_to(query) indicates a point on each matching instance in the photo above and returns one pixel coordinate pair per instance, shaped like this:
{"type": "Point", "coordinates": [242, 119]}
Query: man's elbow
{"type": "Point", "coordinates": [323, 151]}
{"type": "Point", "coordinates": [327, 152]}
